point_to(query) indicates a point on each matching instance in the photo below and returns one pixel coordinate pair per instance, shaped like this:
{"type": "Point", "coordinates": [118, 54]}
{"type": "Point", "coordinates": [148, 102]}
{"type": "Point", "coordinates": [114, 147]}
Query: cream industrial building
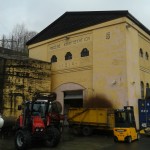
{"type": "Point", "coordinates": [96, 53]}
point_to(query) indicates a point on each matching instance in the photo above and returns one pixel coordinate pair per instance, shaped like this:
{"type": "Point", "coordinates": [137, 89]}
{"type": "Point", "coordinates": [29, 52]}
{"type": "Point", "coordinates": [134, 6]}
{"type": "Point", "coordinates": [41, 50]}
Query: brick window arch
{"type": "Point", "coordinates": [141, 52]}
{"type": "Point", "coordinates": [68, 56]}
{"type": "Point", "coordinates": [53, 59]}
{"type": "Point", "coordinates": [146, 56]}
{"type": "Point", "coordinates": [84, 52]}
{"type": "Point", "coordinates": [147, 85]}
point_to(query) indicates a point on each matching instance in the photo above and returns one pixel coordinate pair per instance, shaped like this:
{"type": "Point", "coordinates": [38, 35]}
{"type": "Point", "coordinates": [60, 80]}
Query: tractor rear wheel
{"type": "Point", "coordinates": [22, 139]}
{"type": "Point", "coordinates": [53, 137]}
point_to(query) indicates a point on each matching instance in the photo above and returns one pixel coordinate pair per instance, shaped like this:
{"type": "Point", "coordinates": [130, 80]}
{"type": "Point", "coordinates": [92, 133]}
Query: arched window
{"type": "Point", "coordinates": [141, 52]}
{"type": "Point", "coordinates": [146, 55]}
{"type": "Point", "coordinates": [68, 56]}
{"type": "Point", "coordinates": [147, 85]}
{"type": "Point", "coordinates": [53, 59]}
{"type": "Point", "coordinates": [142, 89]}
{"type": "Point", "coordinates": [84, 52]}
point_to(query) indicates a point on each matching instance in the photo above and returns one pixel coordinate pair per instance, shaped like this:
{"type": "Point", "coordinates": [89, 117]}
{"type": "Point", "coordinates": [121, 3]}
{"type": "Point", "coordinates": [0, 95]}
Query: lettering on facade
{"type": "Point", "coordinates": [68, 65]}
{"type": "Point", "coordinates": [73, 42]}
{"type": "Point", "coordinates": [69, 43]}
{"type": "Point", "coordinates": [108, 35]}
{"type": "Point", "coordinates": [55, 47]}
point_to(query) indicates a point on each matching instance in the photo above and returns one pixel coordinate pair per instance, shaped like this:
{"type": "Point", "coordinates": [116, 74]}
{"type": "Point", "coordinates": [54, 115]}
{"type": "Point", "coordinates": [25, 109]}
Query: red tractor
{"type": "Point", "coordinates": [40, 120]}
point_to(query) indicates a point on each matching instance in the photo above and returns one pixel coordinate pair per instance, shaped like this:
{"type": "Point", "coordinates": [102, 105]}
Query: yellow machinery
{"type": "Point", "coordinates": [120, 121]}
{"type": "Point", "coordinates": [85, 120]}
{"type": "Point", "coordinates": [125, 127]}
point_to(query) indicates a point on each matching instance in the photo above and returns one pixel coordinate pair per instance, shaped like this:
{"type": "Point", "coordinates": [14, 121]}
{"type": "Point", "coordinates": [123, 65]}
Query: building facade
{"type": "Point", "coordinates": [20, 78]}
{"type": "Point", "coordinates": [96, 54]}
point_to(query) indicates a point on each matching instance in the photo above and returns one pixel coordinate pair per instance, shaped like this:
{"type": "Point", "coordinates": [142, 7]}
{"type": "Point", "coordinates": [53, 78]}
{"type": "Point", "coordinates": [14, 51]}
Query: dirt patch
{"type": "Point", "coordinates": [98, 102]}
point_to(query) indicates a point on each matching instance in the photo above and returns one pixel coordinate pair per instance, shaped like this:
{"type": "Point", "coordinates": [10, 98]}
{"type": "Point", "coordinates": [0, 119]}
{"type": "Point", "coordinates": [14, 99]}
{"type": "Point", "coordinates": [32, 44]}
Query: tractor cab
{"type": "Point", "coordinates": [43, 106]}
{"type": "Point", "coordinates": [40, 118]}
{"type": "Point", "coordinates": [125, 126]}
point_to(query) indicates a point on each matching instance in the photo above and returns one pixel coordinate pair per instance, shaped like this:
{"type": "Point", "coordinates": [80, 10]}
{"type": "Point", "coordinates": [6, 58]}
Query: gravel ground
{"type": "Point", "coordinates": [97, 141]}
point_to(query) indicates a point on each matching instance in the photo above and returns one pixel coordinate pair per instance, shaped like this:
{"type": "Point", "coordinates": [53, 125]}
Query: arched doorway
{"type": "Point", "coordinates": [70, 95]}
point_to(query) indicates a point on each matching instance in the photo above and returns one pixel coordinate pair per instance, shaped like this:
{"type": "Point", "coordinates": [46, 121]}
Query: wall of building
{"type": "Point", "coordinates": [40, 51]}
{"type": "Point", "coordinates": [113, 68]}
{"type": "Point", "coordinates": [76, 72]}
{"type": "Point", "coordinates": [107, 56]}
{"type": "Point", "coordinates": [144, 61]}
{"type": "Point", "coordinates": [20, 80]}
{"type": "Point", "coordinates": [133, 72]}
{"type": "Point", "coordinates": [109, 64]}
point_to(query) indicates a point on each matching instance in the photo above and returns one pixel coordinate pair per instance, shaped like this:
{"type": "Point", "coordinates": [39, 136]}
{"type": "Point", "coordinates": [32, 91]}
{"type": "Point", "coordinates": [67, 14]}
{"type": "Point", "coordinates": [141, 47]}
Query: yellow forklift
{"type": "Point", "coordinates": [125, 126]}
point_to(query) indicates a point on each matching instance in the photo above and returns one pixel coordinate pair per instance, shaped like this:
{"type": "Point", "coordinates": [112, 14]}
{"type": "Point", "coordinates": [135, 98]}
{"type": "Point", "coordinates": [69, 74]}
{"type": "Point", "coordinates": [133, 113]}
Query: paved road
{"type": "Point", "coordinates": [94, 142]}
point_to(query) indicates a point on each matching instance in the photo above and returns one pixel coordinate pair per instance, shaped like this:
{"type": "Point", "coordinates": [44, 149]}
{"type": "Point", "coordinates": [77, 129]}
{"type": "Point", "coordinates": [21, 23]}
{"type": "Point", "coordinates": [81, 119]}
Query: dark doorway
{"type": "Point", "coordinates": [72, 99]}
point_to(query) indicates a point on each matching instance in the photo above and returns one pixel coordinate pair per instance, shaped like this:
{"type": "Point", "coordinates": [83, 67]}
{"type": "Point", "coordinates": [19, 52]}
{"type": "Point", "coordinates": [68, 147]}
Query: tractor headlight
{"type": "Point", "coordinates": [37, 129]}
{"type": "Point", "coordinates": [41, 129]}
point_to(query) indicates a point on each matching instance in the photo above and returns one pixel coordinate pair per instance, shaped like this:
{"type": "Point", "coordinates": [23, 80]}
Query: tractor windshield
{"type": "Point", "coordinates": [39, 109]}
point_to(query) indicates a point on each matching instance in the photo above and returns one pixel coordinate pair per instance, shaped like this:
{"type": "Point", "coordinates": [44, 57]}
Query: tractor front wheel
{"type": "Point", "coordinates": [22, 139]}
{"type": "Point", "coordinates": [53, 137]}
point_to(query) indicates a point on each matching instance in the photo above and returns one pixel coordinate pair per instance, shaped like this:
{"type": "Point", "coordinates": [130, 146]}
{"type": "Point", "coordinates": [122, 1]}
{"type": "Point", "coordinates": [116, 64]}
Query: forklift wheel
{"type": "Point", "coordinates": [22, 139]}
{"type": "Point", "coordinates": [115, 139]}
{"type": "Point", "coordinates": [129, 139]}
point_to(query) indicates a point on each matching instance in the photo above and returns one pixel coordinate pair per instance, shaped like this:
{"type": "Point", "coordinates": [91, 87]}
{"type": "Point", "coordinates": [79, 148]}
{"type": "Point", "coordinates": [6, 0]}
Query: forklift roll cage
{"type": "Point", "coordinates": [125, 117]}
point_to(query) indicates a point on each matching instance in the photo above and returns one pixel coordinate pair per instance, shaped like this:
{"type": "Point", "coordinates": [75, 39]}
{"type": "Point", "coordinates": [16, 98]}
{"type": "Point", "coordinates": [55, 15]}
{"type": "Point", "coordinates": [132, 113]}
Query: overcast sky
{"type": "Point", "coordinates": [38, 14]}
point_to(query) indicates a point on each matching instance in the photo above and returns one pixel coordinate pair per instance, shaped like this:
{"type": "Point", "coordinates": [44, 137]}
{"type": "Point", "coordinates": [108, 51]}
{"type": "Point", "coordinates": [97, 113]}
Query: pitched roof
{"type": "Point", "coordinates": [72, 21]}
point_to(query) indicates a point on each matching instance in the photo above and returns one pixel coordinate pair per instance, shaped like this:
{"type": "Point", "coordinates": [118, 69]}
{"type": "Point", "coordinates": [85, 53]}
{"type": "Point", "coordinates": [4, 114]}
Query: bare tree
{"type": "Point", "coordinates": [21, 35]}
{"type": "Point", "coordinates": [18, 38]}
